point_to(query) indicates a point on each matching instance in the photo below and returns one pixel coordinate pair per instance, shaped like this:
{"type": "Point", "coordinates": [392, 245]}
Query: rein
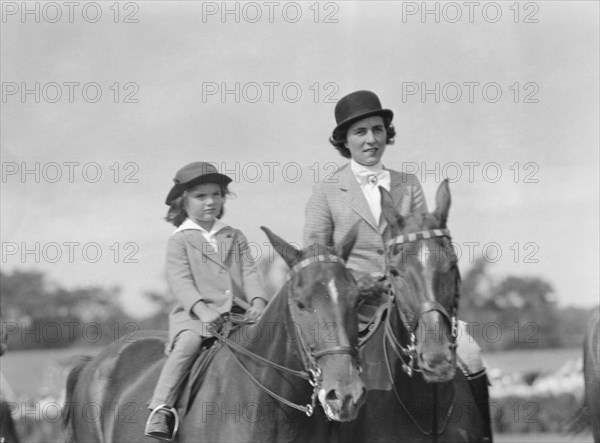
{"type": "Point", "coordinates": [410, 351]}
{"type": "Point", "coordinates": [312, 372]}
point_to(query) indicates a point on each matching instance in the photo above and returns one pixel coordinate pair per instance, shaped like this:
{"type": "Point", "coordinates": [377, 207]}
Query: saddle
{"type": "Point", "coordinates": [372, 305]}
{"type": "Point", "coordinates": [370, 317]}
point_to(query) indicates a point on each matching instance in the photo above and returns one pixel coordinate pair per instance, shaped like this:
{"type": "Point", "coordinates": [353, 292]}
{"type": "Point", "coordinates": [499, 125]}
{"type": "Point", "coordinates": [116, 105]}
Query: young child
{"type": "Point", "coordinates": [209, 270]}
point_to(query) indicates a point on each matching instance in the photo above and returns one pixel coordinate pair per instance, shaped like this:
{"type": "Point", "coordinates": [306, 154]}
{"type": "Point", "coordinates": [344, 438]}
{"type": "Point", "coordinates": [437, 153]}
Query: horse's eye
{"type": "Point", "coordinates": [300, 305]}
{"type": "Point", "coordinates": [394, 272]}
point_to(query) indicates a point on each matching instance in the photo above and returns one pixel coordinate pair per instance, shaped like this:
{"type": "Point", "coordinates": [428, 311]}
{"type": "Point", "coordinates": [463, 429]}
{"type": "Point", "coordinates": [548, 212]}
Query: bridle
{"type": "Point", "coordinates": [409, 352]}
{"type": "Point", "coordinates": [312, 371]}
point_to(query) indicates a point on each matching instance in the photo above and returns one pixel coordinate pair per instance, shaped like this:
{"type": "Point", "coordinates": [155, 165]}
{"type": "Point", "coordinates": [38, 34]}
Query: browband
{"type": "Point", "coordinates": [414, 236]}
{"type": "Point", "coordinates": [316, 259]}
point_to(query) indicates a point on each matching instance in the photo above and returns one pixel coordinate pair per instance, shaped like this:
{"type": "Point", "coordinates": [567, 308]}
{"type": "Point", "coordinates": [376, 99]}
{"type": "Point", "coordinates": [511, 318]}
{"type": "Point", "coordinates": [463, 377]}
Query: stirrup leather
{"type": "Point", "coordinates": [167, 408]}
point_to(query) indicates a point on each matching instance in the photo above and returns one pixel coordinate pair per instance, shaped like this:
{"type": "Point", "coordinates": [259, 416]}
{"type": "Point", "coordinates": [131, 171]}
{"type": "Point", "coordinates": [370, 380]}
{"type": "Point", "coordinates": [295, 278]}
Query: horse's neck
{"type": "Point", "coordinates": [270, 337]}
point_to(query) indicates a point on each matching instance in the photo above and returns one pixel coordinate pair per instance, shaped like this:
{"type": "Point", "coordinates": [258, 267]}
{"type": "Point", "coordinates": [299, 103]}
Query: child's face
{"type": "Point", "coordinates": [203, 203]}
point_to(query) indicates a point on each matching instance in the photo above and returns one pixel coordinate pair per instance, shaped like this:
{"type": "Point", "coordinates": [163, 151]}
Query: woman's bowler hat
{"type": "Point", "coordinates": [356, 106]}
{"type": "Point", "coordinates": [195, 174]}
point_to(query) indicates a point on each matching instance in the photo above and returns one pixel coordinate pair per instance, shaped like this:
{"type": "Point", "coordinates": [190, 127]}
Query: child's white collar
{"type": "Point", "coordinates": [188, 223]}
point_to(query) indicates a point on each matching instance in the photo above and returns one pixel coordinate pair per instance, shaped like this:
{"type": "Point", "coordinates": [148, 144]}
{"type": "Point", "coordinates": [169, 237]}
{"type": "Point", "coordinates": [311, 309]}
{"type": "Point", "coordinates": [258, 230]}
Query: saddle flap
{"type": "Point", "coordinates": [196, 375]}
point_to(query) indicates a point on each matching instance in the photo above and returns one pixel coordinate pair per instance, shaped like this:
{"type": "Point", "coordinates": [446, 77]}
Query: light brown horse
{"type": "Point", "coordinates": [415, 392]}
{"type": "Point", "coordinates": [262, 384]}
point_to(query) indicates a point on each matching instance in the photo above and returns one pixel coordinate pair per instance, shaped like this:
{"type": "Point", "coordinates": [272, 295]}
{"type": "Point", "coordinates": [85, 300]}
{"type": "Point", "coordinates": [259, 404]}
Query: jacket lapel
{"type": "Point", "coordinates": [395, 185]}
{"type": "Point", "coordinates": [396, 190]}
{"type": "Point", "coordinates": [226, 238]}
{"type": "Point", "coordinates": [354, 197]}
{"type": "Point", "coordinates": [197, 240]}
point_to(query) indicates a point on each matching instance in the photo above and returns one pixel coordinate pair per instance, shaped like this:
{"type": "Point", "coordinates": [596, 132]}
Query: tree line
{"type": "Point", "coordinates": [517, 312]}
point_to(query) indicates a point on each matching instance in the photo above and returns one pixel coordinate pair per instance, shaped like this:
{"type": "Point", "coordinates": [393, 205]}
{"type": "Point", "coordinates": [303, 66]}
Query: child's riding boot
{"type": "Point", "coordinates": [162, 423]}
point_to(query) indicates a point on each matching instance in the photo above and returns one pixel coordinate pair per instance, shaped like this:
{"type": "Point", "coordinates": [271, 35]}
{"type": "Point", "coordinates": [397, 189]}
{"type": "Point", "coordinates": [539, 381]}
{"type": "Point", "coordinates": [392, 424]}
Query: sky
{"type": "Point", "coordinates": [103, 102]}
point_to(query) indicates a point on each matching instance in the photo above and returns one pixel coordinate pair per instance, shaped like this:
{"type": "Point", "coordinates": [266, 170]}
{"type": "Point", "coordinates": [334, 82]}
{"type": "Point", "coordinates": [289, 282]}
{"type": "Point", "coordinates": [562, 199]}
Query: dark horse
{"type": "Point", "coordinates": [8, 432]}
{"type": "Point", "coordinates": [591, 374]}
{"type": "Point", "coordinates": [409, 359]}
{"type": "Point", "coordinates": [264, 381]}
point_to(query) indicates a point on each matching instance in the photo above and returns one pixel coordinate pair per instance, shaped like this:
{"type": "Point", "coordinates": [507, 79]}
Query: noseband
{"type": "Point", "coordinates": [410, 351]}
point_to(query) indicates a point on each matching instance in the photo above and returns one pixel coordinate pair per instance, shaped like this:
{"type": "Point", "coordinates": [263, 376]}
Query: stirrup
{"type": "Point", "coordinates": [171, 410]}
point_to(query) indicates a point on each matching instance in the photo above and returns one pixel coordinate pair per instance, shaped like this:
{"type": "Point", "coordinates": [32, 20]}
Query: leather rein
{"type": "Point", "coordinates": [312, 371]}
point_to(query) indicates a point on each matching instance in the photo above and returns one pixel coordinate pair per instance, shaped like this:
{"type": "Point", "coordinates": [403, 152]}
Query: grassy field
{"type": "Point", "coordinates": [31, 372]}
{"type": "Point", "coordinates": [41, 371]}
{"type": "Point", "coordinates": [540, 360]}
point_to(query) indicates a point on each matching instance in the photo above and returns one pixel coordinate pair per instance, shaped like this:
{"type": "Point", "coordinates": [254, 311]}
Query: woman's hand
{"type": "Point", "coordinates": [258, 305]}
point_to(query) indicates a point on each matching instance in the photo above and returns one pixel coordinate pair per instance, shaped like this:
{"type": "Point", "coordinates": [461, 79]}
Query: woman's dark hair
{"type": "Point", "coordinates": [177, 213]}
{"type": "Point", "coordinates": [338, 138]}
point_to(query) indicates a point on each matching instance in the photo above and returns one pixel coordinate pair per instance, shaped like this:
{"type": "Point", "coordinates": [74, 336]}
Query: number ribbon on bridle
{"type": "Point", "coordinates": [414, 236]}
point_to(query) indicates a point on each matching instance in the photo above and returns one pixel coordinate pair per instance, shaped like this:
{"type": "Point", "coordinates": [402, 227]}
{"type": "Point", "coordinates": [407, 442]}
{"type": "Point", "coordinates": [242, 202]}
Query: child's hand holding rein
{"type": "Point", "coordinates": [206, 314]}
{"type": "Point", "coordinates": [258, 305]}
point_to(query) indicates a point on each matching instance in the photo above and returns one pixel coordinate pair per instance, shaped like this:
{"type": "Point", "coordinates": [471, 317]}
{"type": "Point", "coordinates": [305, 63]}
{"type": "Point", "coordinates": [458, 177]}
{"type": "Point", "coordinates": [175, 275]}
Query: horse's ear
{"type": "Point", "coordinates": [390, 213]}
{"type": "Point", "coordinates": [287, 251]}
{"type": "Point", "coordinates": [442, 203]}
{"type": "Point", "coordinates": [347, 243]}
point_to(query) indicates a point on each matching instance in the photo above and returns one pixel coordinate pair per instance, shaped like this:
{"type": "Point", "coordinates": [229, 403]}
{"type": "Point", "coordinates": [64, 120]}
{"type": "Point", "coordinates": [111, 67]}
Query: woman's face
{"type": "Point", "coordinates": [366, 140]}
{"type": "Point", "coordinates": [204, 203]}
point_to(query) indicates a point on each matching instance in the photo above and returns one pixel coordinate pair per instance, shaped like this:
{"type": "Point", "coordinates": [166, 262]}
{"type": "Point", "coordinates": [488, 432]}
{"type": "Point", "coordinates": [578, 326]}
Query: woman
{"type": "Point", "coordinates": [363, 131]}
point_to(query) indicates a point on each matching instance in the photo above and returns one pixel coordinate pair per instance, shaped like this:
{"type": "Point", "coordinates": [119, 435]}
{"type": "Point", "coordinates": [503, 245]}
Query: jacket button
{"type": "Point", "coordinates": [380, 251]}
{"type": "Point", "coordinates": [227, 292]}
{"type": "Point", "coordinates": [222, 271]}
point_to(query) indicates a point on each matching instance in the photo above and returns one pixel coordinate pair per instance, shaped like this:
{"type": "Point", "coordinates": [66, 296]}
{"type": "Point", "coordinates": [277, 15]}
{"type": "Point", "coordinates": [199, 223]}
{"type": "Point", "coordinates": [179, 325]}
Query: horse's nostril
{"type": "Point", "coordinates": [331, 396]}
{"type": "Point", "coordinates": [435, 359]}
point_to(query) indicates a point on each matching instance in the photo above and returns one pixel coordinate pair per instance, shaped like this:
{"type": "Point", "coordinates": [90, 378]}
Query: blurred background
{"type": "Point", "coordinates": [103, 102]}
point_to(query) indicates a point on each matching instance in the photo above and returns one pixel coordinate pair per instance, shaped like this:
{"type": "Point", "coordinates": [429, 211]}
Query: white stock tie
{"type": "Point", "coordinates": [370, 182]}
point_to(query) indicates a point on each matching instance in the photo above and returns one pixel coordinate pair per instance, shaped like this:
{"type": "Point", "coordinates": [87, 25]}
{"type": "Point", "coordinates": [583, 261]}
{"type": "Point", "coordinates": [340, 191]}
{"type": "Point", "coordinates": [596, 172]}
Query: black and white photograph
{"type": "Point", "coordinates": [300, 221]}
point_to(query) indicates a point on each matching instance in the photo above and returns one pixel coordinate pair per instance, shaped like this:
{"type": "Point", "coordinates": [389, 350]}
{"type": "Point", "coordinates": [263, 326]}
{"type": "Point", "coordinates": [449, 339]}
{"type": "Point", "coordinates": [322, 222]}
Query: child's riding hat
{"type": "Point", "coordinates": [193, 174]}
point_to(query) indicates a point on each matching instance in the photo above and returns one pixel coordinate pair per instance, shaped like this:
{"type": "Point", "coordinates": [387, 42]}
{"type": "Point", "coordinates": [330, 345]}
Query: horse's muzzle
{"type": "Point", "coordinates": [437, 369]}
{"type": "Point", "coordinates": [342, 404]}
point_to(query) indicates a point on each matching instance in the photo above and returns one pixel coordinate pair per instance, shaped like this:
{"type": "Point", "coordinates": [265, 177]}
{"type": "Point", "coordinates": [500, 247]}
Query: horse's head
{"type": "Point", "coordinates": [425, 282]}
{"type": "Point", "coordinates": [322, 299]}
